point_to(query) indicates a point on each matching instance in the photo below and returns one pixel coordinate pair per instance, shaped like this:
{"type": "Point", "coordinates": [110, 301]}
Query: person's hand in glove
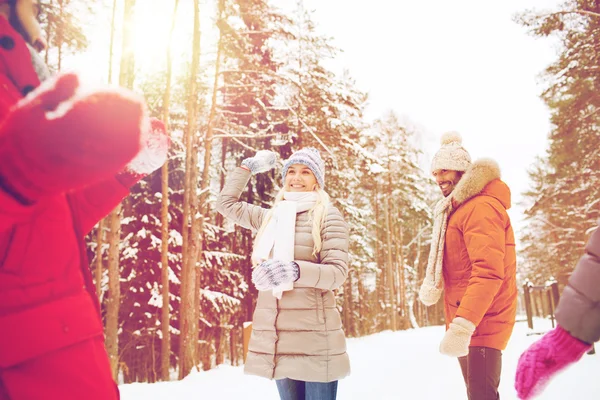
{"type": "Point", "coordinates": [152, 156]}
{"type": "Point", "coordinates": [555, 351]}
{"type": "Point", "coordinates": [263, 161]}
{"type": "Point", "coordinates": [272, 273]}
{"type": "Point", "coordinates": [457, 338]}
{"type": "Point", "coordinates": [59, 138]}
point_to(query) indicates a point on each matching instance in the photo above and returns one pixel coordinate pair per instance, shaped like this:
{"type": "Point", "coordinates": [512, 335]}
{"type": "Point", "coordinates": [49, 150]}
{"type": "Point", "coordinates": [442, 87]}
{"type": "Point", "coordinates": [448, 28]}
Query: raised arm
{"type": "Point", "coordinates": [229, 205]}
{"type": "Point", "coordinates": [53, 141]}
{"type": "Point", "coordinates": [247, 215]}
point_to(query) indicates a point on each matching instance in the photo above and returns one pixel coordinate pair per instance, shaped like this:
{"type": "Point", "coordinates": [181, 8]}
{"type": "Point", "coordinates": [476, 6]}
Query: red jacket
{"type": "Point", "coordinates": [47, 298]}
{"type": "Point", "coordinates": [17, 74]}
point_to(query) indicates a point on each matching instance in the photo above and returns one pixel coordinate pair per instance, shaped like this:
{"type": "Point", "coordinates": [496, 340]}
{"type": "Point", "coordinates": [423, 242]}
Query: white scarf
{"type": "Point", "coordinates": [433, 284]}
{"type": "Point", "coordinates": [278, 237]}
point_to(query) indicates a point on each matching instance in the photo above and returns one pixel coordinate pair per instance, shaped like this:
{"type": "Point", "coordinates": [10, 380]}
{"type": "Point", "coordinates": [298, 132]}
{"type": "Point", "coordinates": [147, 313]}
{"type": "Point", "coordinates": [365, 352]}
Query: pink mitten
{"type": "Point", "coordinates": [543, 359]}
{"type": "Point", "coordinates": [60, 138]}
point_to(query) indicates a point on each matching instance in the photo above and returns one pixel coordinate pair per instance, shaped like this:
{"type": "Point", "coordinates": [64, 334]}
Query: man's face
{"type": "Point", "coordinates": [447, 180]}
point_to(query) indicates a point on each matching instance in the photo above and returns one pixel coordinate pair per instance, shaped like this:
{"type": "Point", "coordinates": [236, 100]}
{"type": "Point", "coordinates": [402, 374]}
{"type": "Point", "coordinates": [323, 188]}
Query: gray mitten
{"type": "Point", "coordinates": [263, 161]}
{"type": "Point", "coordinates": [272, 273]}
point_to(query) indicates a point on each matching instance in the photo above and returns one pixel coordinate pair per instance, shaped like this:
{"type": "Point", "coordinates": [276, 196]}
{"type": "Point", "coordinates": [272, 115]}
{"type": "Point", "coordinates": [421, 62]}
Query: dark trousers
{"type": "Point", "coordinates": [481, 369]}
{"type": "Point", "coordinates": [290, 389]}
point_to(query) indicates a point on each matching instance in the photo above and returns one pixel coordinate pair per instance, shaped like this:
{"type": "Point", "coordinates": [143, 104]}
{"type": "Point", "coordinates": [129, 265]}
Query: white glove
{"type": "Point", "coordinates": [457, 338]}
{"type": "Point", "coordinates": [272, 273]}
{"type": "Point", "coordinates": [264, 160]}
{"type": "Point", "coordinates": [154, 149]}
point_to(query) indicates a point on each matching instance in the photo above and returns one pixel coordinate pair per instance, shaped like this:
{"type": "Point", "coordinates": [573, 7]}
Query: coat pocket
{"type": "Point", "coordinates": [320, 306]}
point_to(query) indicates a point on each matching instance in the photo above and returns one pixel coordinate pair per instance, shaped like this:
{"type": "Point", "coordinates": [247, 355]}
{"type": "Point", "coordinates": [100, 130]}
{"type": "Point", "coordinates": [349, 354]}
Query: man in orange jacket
{"type": "Point", "coordinates": [473, 260]}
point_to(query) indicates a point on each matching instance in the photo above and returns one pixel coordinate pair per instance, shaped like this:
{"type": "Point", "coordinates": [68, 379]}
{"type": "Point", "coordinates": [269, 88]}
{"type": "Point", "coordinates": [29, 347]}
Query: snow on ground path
{"type": "Point", "coordinates": [387, 365]}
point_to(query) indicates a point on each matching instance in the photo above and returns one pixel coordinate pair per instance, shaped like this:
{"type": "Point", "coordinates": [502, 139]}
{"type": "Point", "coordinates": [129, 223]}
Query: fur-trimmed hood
{"type": "Point", "coordinates": [482, 177]}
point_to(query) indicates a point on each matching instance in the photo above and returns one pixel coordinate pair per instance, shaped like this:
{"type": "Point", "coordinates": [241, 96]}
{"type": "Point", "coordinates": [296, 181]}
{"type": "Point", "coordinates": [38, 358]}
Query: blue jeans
{"type": "Point", "coordinates": [290, 389]}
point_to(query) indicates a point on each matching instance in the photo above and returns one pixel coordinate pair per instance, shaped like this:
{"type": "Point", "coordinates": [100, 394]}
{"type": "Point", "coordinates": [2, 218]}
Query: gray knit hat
{"type": "Point", "coordinates": [310, 157]}
{"type": "Point", "coordinates": [451, 156]}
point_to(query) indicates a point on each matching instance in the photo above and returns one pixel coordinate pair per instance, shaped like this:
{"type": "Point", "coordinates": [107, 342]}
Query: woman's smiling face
{"type": "Point", "coordinates": [300, 178]}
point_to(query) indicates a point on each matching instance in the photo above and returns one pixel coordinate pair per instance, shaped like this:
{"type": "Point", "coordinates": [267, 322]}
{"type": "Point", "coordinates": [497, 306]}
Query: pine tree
{"type": "Point", "coordinates": [564, 201]}
{"type": "Point", "coordinates": [62, 22]}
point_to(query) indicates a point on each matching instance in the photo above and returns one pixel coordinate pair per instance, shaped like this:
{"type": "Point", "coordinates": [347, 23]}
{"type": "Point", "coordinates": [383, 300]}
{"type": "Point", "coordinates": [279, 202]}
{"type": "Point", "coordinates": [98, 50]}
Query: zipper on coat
{"type": "Point", "coordinates": [276, 339]}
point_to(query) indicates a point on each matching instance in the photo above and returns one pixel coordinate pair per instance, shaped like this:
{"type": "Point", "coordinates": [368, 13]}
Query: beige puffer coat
{"type": "Point", "coordinates": [300, 336]}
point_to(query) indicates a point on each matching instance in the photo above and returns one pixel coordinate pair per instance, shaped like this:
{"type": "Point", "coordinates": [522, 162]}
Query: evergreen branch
{"type": "Point", "coordinates": [565, 12]}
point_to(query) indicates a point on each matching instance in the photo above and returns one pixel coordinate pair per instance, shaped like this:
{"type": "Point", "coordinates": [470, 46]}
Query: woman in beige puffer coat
{"type": "Point", "coordinates": [297, 337]}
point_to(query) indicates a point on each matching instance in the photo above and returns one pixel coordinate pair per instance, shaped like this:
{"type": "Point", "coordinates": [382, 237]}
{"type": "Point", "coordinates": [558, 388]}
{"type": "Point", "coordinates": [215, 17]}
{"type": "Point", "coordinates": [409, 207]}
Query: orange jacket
{"type": "Point", "coordinates": [480, 264]}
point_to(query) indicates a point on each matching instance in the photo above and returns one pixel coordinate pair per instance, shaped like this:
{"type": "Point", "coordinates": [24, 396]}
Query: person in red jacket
{"type": "Point", "coordinates": [472, 259]}
{"type": "Point", "coordinates": [68, 157]}
{"type": "Point", "coordinates": [21, 68]}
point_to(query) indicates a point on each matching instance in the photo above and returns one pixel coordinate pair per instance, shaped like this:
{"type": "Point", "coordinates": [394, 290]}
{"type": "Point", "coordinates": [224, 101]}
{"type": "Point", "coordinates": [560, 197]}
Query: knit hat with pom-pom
{"type": "Point", "coordinates": [451, 156]}
{"type": "Point", "coordinates": [310, 157]}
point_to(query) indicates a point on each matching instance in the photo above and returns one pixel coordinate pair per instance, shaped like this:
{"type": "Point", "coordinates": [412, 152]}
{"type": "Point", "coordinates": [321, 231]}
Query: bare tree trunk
{"type": "Point", "coordinates": [390, 297]}
{"type": "Point", "coordinates": [220, 342]}
{"type": "Point", "coordinates": [153, 363]}
{"type": "Point", "coordinates": [395, 268]}
{"type": "Point", "coordinates": [48, 39]}
{"type": "Point", "coordinates": [205, 181]}
{"type": "Point", "coordinates": [398, 241]}
{"type": "Point", "coordinates": [380, 277]}
{"type": "Point", "coordinates": [112, 40]}
{"type": "Point", "coordinates": [201, 203]}
{"type": "Point", "coordinates": [113, 302]}
{"type": "Point", "coordinates": [401, 271]}
{"type": "Point", "coordinates": [361, 308]}
{"type": "Point", "coordinates": [412, 291]}
{"type": "Point", "coordinates": [165, 345]}
{"type": "Point", "coordinates": [187, 279]}
{"type": "Point", "coordinates": [188, 311]}
{"type": "Point", "coordinates": [348, 317]}
{"type": "Point", "coordinates": [233, 357]}
{"type": "Point", "coordinates": [100, 236]}
{"type": "Point", "coordinates": [60, 34]}
{"type": "Point", "coordinates": [99, 266]}
{"type": "Point", "coordinates": [114, 290]}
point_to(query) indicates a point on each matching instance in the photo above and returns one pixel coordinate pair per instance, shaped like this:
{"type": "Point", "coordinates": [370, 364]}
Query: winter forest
{"type": "Point", "coordinates": [237, 76]}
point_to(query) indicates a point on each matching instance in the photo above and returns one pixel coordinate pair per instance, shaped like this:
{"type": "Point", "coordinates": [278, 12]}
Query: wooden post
{"type": "Point", "coordinates": [555, 293]}
{"type": "Point", "coordinates": [550, 306]}
{"type": "Point", "coordinates": [528, 310]}
{"type": "Point", "coordinates": [246, 333]}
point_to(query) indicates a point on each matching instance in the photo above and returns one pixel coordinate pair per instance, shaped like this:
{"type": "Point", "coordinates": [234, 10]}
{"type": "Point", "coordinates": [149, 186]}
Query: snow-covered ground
{"type": "Point", "coordinates": [387, 365]}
